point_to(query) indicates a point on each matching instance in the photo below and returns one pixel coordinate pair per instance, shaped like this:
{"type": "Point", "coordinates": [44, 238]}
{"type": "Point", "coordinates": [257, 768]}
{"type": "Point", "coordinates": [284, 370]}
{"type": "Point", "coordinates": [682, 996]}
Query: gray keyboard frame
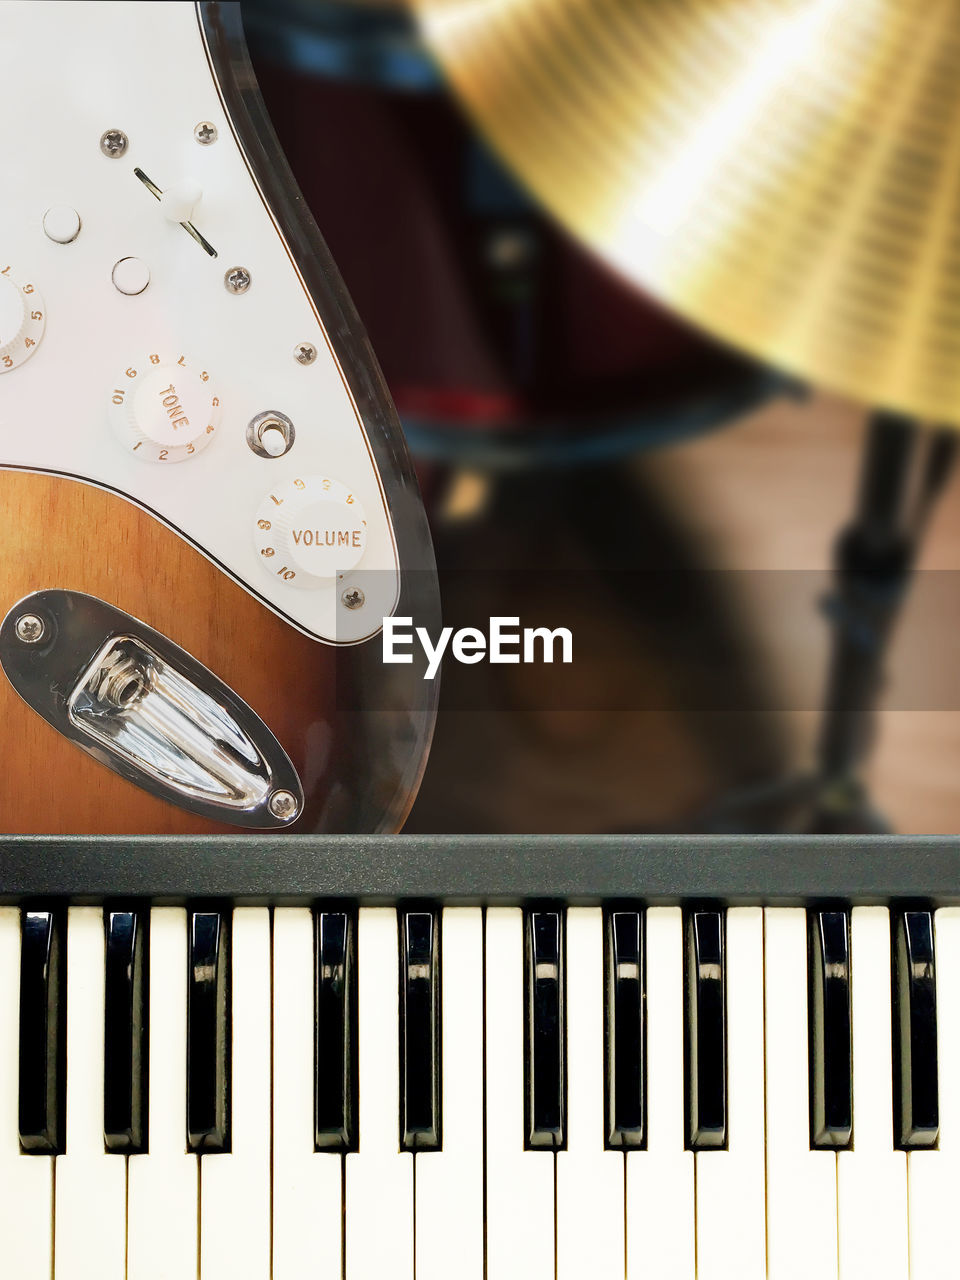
{"type": "Point", "coordinates": [504, 869]}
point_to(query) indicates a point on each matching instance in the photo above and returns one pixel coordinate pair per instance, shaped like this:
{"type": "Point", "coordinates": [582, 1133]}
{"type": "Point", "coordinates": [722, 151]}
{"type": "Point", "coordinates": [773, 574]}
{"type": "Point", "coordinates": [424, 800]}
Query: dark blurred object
{"type": "Point", "coordinates": [503, 342]}
{"type": "Point", "coordinates": [634, 740]}
{"type": "Point", "coordinates": [784, 172]}
{"type": "Point", "coordinates": [905, 470]}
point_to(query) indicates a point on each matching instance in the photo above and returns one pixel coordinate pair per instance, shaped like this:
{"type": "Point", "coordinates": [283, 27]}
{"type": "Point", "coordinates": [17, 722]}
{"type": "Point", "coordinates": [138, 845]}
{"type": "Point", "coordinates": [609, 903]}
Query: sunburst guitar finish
{"type": "Point", "coordinates": [194, 431]}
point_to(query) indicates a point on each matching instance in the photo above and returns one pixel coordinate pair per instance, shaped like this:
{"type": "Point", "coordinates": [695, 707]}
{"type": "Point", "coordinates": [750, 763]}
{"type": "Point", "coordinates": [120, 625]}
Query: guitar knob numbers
{"type": "Point", "coordinates": [309, 530]}
{"type": "Point", "coordinates": [22, 320]}
{"type": "Point", "coordinates": [163, 409]}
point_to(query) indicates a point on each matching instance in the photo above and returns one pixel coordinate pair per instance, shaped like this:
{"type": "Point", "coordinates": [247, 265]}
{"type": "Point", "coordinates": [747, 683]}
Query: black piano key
{"type": "Point", "coordinates": [335, 1031]}
{"type": "Point", "coordinates": [831, 1042]}
{"type": "Point", "coordinates": [625, 1013]}
{"type": "Point", "coordinates": [545, 1094]}
{"type": "Point", "coordinates": [915, 1100]}
{"type": "Point", "coordinates": [208, 1032]}
{"type": "Point", "coordinates": [125, 1058]}
{"type": "Point", "coordinates": [705, 1030]}
{"type": "Point", "coordinates": [420, 1042]}
{"type": "Point", "coordinates": [43, 1032]}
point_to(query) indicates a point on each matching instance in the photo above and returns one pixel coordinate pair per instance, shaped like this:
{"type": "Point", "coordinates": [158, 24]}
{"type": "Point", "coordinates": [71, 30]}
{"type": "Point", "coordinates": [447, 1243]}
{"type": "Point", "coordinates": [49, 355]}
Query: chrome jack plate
{"type": "Point", "coordinates": [146, 708]}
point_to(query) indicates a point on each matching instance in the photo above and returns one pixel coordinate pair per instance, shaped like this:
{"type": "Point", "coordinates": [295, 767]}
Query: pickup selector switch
{"type": "Point", "coordinates": [21, 320]}
{"type": "Point", "coordinates": [309, 530]}
{"type": "Point", "coordinates": [164, 410]}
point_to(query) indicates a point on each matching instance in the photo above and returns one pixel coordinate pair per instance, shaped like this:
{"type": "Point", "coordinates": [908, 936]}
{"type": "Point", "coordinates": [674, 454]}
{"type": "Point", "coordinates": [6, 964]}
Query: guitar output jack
{"type": "Point", "coordinates": [119, 682]}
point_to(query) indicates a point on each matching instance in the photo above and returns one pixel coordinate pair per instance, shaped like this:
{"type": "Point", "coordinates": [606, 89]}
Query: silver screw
{"type": "Point", "coordinates": [284, 805]}
{"type": "Point", "coordinates": [353, 598]}
{"type": "Point", "coordinates": [205, 133]}
{"type": "Point", "coordinates": [237, 280]}
{"type": "Point", "coordinates": [305, 353]}
{"type": "Point", "coordinates": [30, 628]}
{"type": "Point", "coordinates": [114, 143]}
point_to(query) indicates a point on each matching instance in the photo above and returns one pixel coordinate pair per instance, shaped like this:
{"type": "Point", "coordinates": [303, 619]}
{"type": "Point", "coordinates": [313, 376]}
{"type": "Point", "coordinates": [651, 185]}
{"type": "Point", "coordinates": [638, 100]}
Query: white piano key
{"type": "Point", "coordinates": [731, 1231]}
{"type": "Point", "coordinates": [934, 1176]}
{"type": "Point", "coordinates": [590, 1179]}
{"type": "Point", "coordinates": [520, 1183]}
{"type": "Point", "coordinates": [162, 1186]}
{"type": "Point", "coordinates": [872, 1178]}
{"type": "Point", "coordinates": [90, 1200]}
{"type": "Point", "coordinates": [307, 1184]}
{"type": "Point", "coordinates": [449, 1182]}
{"type": "Point", "coordinates": [379, 1177]}
{"type": "Point", "coordinates": [235, 1186]}
{"type": "Point", "coordinates": [26, 1202]}
{"type": "Point", "coordinates": [801, 1184]}
{"type": "Point", "coordinates": [661, 1232]}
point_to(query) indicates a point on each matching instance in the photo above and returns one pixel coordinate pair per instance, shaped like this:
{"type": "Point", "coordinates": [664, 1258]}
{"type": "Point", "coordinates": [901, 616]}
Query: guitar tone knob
{"type": "Point", "coordinates": [21, 320]}
{"type": "Point", "coordinates": [164, 411]}
{"type": "Point", "coordinates": [309, 530]}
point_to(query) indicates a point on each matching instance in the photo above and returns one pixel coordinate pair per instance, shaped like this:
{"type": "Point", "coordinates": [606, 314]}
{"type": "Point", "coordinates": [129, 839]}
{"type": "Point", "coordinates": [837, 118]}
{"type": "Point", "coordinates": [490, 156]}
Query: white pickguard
{"type": "Point", "coordinates": [68, 72]}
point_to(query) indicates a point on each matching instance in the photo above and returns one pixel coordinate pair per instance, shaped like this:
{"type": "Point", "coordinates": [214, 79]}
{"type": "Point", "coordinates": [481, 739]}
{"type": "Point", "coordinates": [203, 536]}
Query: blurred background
{"type": "Point", "coordinates": [567, 428]}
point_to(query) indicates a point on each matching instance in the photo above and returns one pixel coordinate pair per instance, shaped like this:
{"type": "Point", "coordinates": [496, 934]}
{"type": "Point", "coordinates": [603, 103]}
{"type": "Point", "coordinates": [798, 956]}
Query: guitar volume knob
{"type": "Point", "coordinates": [21, 320]}
{"type": "Point", "coordinates": [164, 411]}
{"type": "Point", "coordinates": [309, 530]}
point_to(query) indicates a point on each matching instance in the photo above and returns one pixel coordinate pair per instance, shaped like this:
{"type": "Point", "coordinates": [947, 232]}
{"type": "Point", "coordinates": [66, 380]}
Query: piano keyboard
{"type": "Point", "coordinates": [369, 1082]}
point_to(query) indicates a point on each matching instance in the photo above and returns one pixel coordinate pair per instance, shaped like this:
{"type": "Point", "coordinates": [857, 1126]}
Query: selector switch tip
{"type": "Point", "coordinates": [178, 202]}
{"type": "Point", "coordinates": [271, 434]}
{"type": "Point", "coordinates": [273, 440]}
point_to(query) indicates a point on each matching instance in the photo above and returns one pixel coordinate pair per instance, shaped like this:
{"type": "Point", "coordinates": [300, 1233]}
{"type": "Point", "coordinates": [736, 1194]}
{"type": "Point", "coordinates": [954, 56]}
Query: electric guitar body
{"type": "Point", "coordinates": [208, 504]}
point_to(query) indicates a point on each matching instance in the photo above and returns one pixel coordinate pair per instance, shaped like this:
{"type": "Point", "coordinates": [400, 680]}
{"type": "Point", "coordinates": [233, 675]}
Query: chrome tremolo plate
{"type": "Point", "coordinates": [144, 707]}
